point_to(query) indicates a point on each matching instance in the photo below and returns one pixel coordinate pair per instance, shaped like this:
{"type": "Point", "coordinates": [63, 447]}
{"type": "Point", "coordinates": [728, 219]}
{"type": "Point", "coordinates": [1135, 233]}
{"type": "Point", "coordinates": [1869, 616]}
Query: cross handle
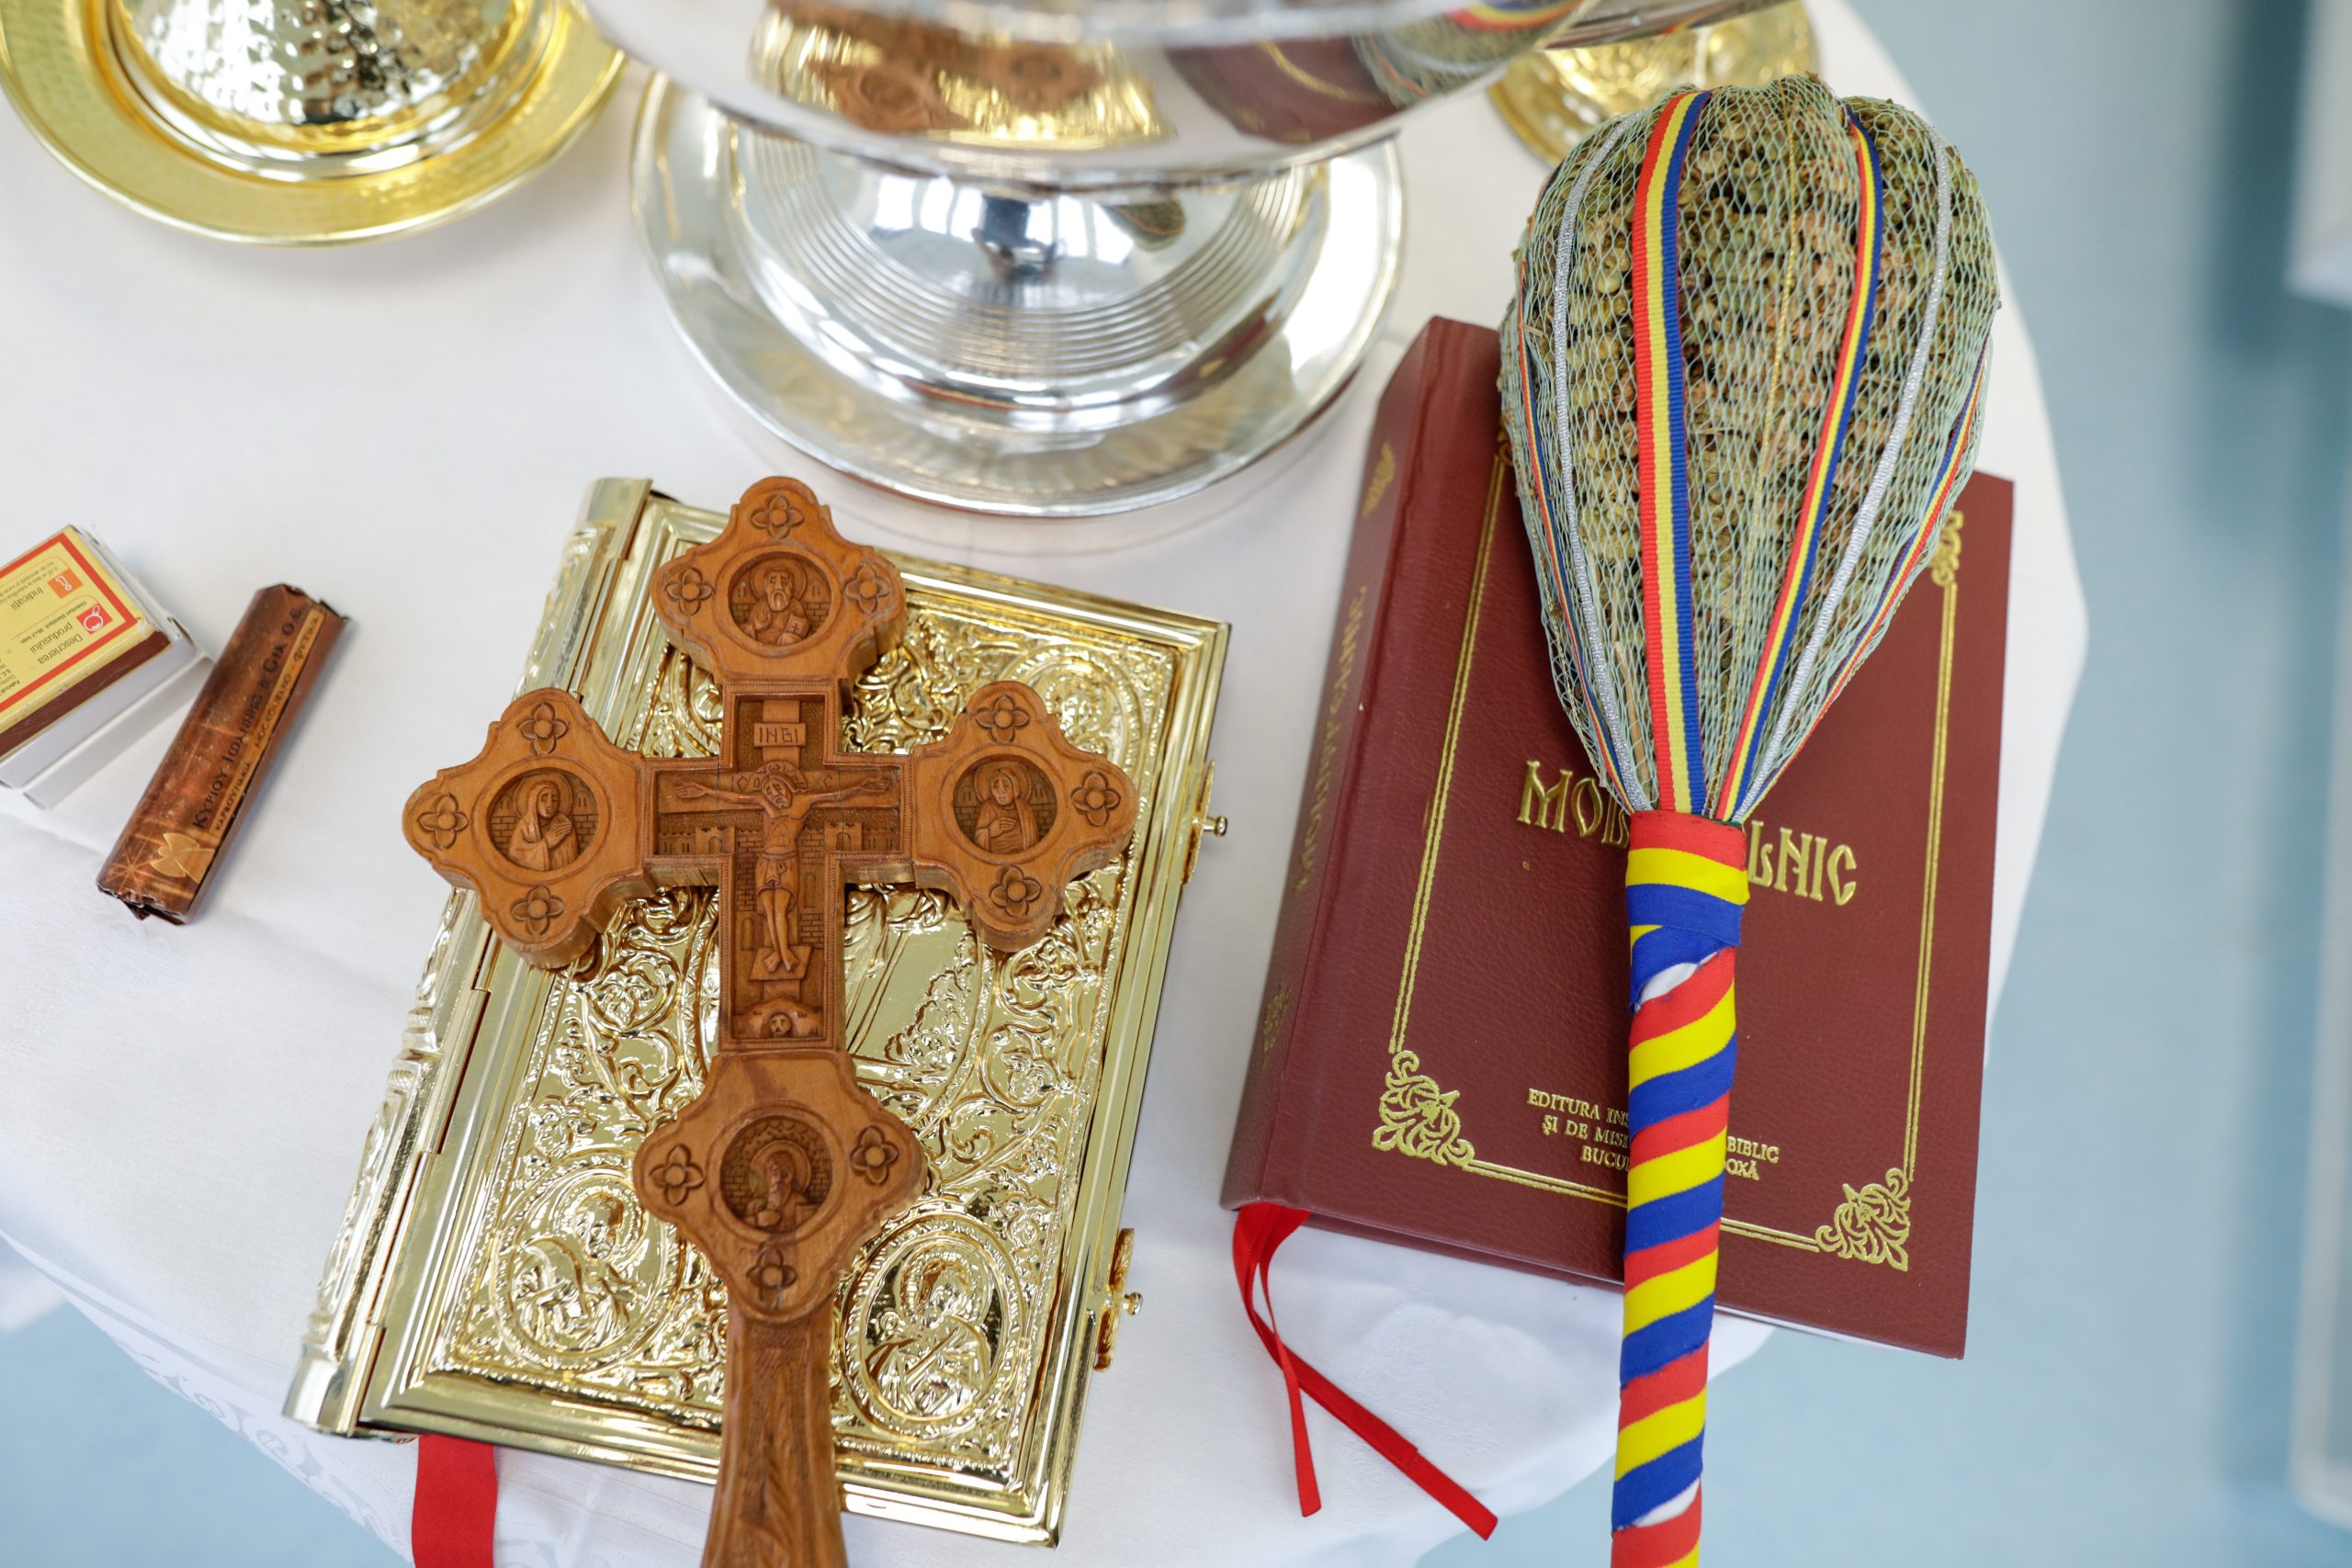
{"type": "Point", "coordinates": [777, 1174]}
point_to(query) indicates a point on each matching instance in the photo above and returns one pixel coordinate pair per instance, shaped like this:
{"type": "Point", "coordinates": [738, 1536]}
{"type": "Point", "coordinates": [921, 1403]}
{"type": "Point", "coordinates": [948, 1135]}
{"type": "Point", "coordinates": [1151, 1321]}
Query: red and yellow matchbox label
{"type": "Point", "coordinates": [62, 618]}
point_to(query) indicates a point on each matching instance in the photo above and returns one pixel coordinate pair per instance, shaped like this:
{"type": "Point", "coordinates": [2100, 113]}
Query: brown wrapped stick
{"type": "Point", "coordinates": [200, 788]}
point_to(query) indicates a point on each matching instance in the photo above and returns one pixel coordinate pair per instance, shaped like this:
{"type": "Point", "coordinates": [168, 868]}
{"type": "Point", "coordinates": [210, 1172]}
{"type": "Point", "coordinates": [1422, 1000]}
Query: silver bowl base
{"type": "Point", "coordinates": [1036, 356]}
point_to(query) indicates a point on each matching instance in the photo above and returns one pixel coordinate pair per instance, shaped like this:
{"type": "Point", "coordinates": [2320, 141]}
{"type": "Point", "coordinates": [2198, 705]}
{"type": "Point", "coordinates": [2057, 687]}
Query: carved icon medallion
{"type": "Point", "coordinates": [1004, 805]}
{"type": "Point", "coordinates": [779, 598]}
{"type": "Point", "coordinates": [777, 1174]}
{"type": "Point", "coordinates": [543, 820]}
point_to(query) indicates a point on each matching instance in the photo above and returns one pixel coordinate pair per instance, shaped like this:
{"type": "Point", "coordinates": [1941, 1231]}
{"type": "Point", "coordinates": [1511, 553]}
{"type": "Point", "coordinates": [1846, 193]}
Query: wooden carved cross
{"type": "Point", "coordinates": [785, 1165]}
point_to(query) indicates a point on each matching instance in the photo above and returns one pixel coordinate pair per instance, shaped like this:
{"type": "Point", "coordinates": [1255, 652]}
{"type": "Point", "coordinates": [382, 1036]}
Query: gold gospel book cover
{"type": "Point", "coordinates": [495, 1278]}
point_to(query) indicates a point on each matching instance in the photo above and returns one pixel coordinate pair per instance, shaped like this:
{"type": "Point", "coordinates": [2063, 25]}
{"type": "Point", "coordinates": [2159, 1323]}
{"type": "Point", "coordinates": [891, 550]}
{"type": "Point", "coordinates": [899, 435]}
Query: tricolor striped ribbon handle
{"type": "Point", "coordinates": [1729, 682]}
{"type": "Point", "coordinates": [1686, 883]}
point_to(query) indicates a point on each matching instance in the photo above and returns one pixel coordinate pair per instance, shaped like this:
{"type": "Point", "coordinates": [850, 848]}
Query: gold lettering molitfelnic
{"type": "Point", "coordinates": [1326, 748]}
{"type": "Point", "coordinates": [1540, 807]}
{"type": "Point", "coordinates": [1807, 866]}
{"type": "Point", "coordinates": [1570, 798]}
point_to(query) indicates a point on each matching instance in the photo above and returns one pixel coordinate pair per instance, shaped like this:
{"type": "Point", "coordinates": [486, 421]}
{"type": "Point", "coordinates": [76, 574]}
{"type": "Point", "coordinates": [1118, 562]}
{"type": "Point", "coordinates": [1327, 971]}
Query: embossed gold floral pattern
{"type": "Point", "coordinates": [1873, 1225]}
{"type": "Point", "coordinates": [1418, 1118]}
{"type": "Point", "coordinates": [995, 1061]}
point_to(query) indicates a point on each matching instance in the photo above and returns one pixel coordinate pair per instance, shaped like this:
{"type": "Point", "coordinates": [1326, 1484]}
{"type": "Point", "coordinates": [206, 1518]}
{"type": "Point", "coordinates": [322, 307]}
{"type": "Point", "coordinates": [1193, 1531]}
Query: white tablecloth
{"type": "Point", "coordinates": [406, 430]}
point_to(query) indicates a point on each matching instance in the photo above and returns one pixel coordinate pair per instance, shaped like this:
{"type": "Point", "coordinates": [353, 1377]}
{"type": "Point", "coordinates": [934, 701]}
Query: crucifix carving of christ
{"type": "Point", "coordinates": [784, 1164]}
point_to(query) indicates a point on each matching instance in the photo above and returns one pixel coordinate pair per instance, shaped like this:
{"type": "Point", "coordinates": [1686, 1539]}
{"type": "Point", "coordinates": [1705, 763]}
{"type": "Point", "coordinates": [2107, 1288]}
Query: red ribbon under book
{"type": "Point", "coordinates": [1259, 1232]}
{"type": "Point", "coordinates": [456, 1504]}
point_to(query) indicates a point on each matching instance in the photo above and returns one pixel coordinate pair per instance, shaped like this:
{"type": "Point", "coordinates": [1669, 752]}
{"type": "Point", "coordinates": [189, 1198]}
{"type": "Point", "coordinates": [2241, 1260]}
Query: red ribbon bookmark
{"type": "Point", "coordinates": [457, 1480]}
{"type": "Point", "coordinates": [1259, 1232]}
{"type": "Point", "coordinates": [456, 1504]}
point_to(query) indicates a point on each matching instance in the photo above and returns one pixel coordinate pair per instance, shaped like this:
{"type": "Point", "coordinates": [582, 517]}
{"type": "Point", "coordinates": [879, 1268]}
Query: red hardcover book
{"type": "Point", "coordinates": [1440, 1059]}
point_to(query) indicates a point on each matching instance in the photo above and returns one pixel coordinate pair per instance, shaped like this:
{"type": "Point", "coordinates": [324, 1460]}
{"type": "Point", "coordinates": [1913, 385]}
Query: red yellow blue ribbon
{"type": "Point", "coordinates": [1686, 885]}
{"type": "Point", "coordinates": [1662, 447]}
{"type": "Point", "coordinates": [1744, 758]}
{"type": "Point", "coordinates": [1515, 16]}
{"type": "Point", "coordinates": [1686, 878]}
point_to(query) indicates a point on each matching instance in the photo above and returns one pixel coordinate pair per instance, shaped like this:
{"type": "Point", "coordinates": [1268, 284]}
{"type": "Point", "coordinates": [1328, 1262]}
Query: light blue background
{"type": "Point", "coordinates": [2124, 1398]}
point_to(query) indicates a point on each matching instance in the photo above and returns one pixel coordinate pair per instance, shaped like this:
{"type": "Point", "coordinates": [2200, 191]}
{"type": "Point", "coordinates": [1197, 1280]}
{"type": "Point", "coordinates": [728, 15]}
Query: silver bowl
{"type": "Point", "coordinates": [1048, 258]}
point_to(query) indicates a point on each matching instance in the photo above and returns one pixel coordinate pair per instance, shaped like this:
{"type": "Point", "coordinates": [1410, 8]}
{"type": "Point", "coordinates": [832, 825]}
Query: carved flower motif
{"type": "Point", "coordinates": [537, 909]}
{"type": "Point", "coordinates": [867, 590]}
{"type": "Point", "coordinates": [690, 590]}
{"type": "Point", "coordinates": [872, 1156]}
{"type": "Point", "coordinates": [1002, 718]}
{"type": "Point", "coordinates": [542, 727]}
{"type": "Point", "coordinates": [1096, 797]}
{"type": "Point", "coordinates": [1015, 892]}
{"type": "Point", "coordinates": [441, 821]}
{"type": "Point", "coordinates": [779, 513]}
{"type": "Point", "coordinates": [771, 1275]}
{"type": "Point", "coordinates": [677, 1174]}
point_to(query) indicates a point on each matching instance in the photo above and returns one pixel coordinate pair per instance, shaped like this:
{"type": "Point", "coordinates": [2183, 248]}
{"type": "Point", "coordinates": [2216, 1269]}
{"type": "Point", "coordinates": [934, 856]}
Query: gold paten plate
{"type": "Point", "coordinates": [494, 1276]}
{"type": "Point", "coordinates": [62, 71]}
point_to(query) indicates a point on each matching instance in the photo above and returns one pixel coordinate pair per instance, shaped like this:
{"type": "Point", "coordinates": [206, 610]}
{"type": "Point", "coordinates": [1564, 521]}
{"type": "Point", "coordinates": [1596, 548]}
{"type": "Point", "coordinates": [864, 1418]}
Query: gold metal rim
{"type": "Point", "coordinates": [1531, 104]}
{"type": "Point", "coordinates": [1551, 98]}
{"type": "Point", "coordinates": [62, 75]}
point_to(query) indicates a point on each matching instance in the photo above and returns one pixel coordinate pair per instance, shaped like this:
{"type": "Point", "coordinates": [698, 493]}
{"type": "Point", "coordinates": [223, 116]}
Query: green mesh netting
{"type": "Point", "coordinates": [1766, 267]}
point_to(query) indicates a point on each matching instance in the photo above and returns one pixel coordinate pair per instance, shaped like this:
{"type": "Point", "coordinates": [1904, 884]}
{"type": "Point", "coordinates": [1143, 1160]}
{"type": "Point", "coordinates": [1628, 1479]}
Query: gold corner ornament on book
{"type": "Point", "coordinates": [499, 1276]}
{"type": "Point", "coordinates": [287, 122]}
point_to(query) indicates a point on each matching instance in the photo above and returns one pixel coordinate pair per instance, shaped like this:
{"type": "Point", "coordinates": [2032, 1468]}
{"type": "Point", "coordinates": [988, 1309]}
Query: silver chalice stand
{"type": "Point", "coordinates": [1048, 258]}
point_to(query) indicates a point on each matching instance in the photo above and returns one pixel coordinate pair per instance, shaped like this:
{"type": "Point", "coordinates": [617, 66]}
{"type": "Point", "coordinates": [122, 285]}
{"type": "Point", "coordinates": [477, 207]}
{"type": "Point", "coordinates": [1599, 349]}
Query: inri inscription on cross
{"type": "Point", "coordinates": [785, 1165]}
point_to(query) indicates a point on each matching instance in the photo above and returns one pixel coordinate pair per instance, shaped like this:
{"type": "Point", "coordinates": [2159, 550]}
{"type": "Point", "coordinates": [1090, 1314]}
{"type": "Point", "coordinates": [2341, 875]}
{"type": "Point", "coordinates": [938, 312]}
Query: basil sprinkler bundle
{"type": "Point", "coordinates": [1742, 376]}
